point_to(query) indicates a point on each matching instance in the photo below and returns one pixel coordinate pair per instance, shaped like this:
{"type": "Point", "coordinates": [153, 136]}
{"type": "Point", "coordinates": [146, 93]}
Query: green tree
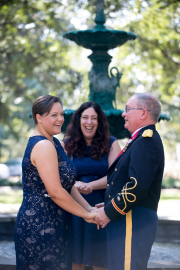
{"type": "Point", "coordinates": [34, 58]}
{"type": "Point", "coordinates": [152, 62]}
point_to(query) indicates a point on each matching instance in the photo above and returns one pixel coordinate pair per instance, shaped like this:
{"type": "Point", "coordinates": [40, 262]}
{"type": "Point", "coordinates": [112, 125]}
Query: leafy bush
{"type": "Point", "coordinates": [170, 183]}
{"type": "Point", "coordinates": [8, 182]}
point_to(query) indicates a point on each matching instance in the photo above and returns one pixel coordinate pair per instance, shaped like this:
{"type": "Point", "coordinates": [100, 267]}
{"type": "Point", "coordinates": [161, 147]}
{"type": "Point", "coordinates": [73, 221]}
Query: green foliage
{"type": "Point", "coordinates": [12, 197]}
{"type": "Point", "coordinates": [152, 62]}
{"type": "Point", "coordinates": [8, 182]}
{"type": "Point", "coordinates": [36, 60]}
{"type": "Point", "coordinates": [33, 57]}
{"type": "Point", "coordinates": [170, 183]}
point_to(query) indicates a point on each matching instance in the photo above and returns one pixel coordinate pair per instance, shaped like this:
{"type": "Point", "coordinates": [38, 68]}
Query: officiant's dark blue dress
{"type": "Point", "coordinates": [43, 231]}
{"type": "Point", "coordinates": [90, 244]}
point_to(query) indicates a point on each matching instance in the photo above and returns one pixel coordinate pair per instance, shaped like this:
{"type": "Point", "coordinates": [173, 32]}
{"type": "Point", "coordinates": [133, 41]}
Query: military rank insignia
{"type": "Point", "coordinates": [147, 133]}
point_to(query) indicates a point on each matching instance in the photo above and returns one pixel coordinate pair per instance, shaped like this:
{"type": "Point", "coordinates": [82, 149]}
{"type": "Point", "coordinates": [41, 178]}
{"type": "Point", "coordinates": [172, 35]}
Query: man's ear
{"type": "Point", "coordinates": [144, 114]}
{"type": "Point", "coordinates": [38, 118]}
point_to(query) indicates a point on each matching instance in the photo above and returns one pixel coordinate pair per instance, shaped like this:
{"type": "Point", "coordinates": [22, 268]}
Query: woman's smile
{"type": "Point", "coordinates": [89, 124]}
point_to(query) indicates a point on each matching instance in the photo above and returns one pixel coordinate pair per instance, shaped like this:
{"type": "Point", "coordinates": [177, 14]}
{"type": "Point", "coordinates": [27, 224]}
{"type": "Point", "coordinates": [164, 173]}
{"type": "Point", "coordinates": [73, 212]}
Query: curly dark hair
{"type": "Point", "coordinates": [74, 140]}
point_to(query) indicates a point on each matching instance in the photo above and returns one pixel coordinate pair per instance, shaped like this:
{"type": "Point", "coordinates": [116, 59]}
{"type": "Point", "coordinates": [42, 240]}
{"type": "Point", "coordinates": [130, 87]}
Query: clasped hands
{"type": "Point", "coordinates": [83, 188]}
{"type": "Point", "coordinates": [101, 217]}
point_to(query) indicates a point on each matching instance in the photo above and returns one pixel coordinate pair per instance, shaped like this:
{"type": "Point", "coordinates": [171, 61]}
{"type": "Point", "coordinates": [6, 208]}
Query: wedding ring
{"type": "Point", "coordinates": [100, 223]}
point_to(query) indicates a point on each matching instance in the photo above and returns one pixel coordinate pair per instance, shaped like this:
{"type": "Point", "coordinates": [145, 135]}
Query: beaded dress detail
{"type": "Point", "coordinates": [43, 231]}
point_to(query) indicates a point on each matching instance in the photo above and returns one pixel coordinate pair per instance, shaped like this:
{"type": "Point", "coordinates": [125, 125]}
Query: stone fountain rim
{"type": "Point", "coordinates": [116, 112]}
{"type": "Point", "coordinates": [101, 30]}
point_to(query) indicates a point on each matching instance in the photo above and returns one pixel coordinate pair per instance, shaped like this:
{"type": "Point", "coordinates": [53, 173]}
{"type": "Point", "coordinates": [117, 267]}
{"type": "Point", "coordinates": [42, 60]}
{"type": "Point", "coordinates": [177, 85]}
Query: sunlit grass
{"type": "Point", "coordinates": [170, 194]}
{"type": "Point", "coordinates": [12, 197]}
{"type": "Point", "coordinates": [168, 197]}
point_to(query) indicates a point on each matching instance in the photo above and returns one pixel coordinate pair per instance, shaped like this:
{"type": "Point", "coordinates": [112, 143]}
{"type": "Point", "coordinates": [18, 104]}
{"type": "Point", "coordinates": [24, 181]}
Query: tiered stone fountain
{"type": "Point", "coordinates": [102, 86]}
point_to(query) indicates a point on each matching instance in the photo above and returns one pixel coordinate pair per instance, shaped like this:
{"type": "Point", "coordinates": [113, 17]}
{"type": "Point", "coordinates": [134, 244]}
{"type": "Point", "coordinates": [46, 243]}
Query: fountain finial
{"type": "Point", "coordinates": [100, 17]}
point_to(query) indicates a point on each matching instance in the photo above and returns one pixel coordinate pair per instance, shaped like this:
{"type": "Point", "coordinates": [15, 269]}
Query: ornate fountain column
{"type": "Point", "coordinates": [100, 40]}
{"type": "Point", "coordinates": [102, 87]}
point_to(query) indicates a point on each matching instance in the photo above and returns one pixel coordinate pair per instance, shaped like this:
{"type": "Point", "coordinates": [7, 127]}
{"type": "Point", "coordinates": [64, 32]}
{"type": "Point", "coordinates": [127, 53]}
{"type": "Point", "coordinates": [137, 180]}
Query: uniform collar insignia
{"type": "Point", "coordinates": [147, 133]}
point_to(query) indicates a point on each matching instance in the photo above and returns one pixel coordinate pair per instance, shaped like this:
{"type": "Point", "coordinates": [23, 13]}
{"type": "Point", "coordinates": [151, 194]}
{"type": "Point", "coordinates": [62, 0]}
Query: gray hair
{"type": "Point", "coordinates": [149, 102]}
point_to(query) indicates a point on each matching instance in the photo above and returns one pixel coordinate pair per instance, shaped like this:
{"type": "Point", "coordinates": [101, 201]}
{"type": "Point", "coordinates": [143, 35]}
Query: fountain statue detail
{"type": "Point", "coordinates": [103, 88]}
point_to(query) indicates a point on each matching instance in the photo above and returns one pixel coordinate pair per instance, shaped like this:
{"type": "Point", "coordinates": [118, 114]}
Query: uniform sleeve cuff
{"type": "Point", "coordinates": [113, 212]}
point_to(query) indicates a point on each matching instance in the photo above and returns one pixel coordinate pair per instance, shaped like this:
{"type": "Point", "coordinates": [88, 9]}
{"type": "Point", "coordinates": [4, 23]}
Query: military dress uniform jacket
{"type": "Point", "coordinates": [135, 177]}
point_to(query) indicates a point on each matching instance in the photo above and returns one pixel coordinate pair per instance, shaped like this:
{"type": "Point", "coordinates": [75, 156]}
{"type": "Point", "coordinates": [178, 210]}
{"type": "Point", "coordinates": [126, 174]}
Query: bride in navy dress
{"type": "Point", "coordinates": [43, 231]}
{"type": "Point", "coordinates": [92, 150]}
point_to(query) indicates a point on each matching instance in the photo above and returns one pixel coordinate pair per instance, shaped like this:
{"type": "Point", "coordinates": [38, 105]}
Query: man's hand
{"type": "Point", "coordinates": [101, 217]}
{"type": "Point", "coordinates": [99, 205]}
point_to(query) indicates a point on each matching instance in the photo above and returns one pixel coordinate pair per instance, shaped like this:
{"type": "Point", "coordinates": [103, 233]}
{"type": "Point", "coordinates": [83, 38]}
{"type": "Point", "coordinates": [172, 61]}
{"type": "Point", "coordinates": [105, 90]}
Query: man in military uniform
{"type": "Point", "coordinates": [133, 188]}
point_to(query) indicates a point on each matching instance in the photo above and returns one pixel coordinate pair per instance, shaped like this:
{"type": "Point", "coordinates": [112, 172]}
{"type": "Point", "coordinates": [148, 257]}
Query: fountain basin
{"type": "Point", "coordinates": [100, 38]}
{"type": "Point", "coordinates": [115, 120]}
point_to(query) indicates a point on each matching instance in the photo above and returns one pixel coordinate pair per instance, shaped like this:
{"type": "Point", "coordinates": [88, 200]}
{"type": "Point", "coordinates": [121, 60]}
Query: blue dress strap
{"type": "Point", "coordinates": [112, 139]}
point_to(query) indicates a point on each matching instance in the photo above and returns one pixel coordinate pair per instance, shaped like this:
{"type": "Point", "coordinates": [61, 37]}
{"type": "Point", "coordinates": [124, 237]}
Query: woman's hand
{"type": "Point", "coordinates": [90, 218]}
{"type": "Point", "coordinates": [83, 188]}
{"type": "Point", "coordinates": [91, 209]}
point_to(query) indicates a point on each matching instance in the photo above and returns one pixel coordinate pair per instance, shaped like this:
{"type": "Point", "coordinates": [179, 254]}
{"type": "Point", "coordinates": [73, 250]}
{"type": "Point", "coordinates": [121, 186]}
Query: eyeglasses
{"type": "Point", "coordinates": [128, 109]}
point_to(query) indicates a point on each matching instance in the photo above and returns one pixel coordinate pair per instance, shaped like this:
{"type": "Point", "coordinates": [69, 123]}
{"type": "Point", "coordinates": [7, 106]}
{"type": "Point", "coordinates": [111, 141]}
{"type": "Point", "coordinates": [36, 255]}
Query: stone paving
{"type": "Point", "coordinates": [160, 251]}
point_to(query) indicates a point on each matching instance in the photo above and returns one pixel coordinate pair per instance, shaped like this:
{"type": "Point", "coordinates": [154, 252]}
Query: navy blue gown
{"type": "Point", "coordinates": [43, 231]}
{"type": "Point", "coordinates": [90, 244]}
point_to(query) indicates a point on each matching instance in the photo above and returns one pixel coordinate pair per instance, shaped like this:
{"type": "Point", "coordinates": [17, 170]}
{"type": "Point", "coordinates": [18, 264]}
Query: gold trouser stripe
{"type": "Point", "coordinates": [127, 262]}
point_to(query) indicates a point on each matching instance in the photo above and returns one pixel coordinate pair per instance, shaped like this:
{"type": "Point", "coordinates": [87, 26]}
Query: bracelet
{"type": "Point", "coordinates": [87, 206]}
